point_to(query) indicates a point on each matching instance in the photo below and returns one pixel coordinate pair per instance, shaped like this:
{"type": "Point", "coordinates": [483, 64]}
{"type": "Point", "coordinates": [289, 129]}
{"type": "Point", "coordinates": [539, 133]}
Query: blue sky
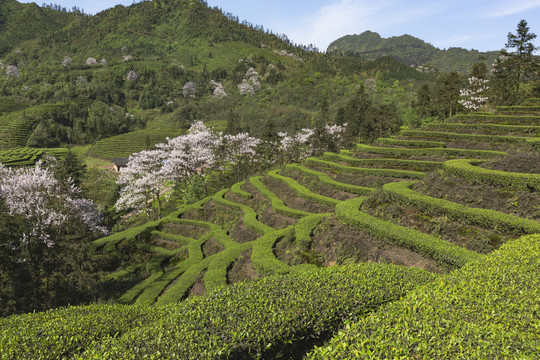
{"type": "Point", "coordinates": [472, 24]}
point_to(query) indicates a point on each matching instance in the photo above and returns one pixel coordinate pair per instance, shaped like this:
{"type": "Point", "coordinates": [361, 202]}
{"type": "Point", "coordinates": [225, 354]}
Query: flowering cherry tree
{"type": "Point", "coordinates": [189, 154]}
{"type": "Point", "coordinates": [142, 182]}
{"type": "Point", "coordinates": [132, 75]}
{"type": "Point", "coordinates": [37, 195]}
{"type": "Point", "coordinates": [47, 252]}
{"type": "Point", "coordinates": [91, 61]}
{"type": "Point", "coordinates": [201, 151]}
{"type": "Point", "coordinates": [67, 61]}
{"type": "Point", "coordinates": [251, 83]}
{"type": "Point", "coordinates": [189, 90]}
{"type": "Point", "coordinates": [219, 91]}
{"type": "Point", "coordinates": [475, 96]}
{"type": "Point", "coordinates": [12, 71]}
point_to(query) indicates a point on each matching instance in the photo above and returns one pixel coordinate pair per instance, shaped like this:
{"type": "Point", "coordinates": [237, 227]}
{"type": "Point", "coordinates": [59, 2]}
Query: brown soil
{"type": "Point", "coordinates": [241, 234]}
{"type": "Point", "coordinates": [471, 237]}
{"type": "Point", "coordinates": [361, 155]}
{"type": "Point", "coordinates": [365, 180]}
{"type": "Point", "coordinates": [211, 247]}
{"type": "Point", "coordinates": [242, 269]}
{"type": "Point", "coordinates": [165, 243]}
{"type": "Point", "coordinates": [520, 203]}
{"type": "Point", "coordinates": [523, 162]}
{"type": "Point", "coordinates": [186, 230]}
{"type": "Point", "coordinates": [198, 287]}
{"type": "Point", "coordinates": [334, 243]}
{"type": "Point", "coordinates": [267, 214]}
{"type": "Point", "coordinates": [318, 187]}
{"type": "Point", "coordinates": [292, 200]}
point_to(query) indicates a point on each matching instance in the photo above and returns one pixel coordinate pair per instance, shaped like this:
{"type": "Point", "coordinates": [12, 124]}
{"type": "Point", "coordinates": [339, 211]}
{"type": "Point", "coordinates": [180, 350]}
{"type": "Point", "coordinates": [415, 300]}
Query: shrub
{"type": "Point", "coordinates": [457, 136]}
{"type": "Point", "coordinates": [443, 252]}
{"type": "Point", "coordinates": [266, 318]}
{"type": "Point", "coordinates": [497, 119]}
{"type": "Point", "coordinates": [301, 190]}
{"type": "Point", "coordinates": [345, 156]}
{"type": "Point", "coordinates": [366, 171]}
{"type": "Point", "coordinates": [486, 310]}
{"type": "Point", "coordinates": [326, 179]}
{"type": "Point", "coordinates": [496, 220]}
{"type": "Point", "coordinates": [411, 143]}
{"type": "Point", "coordinates": [277, 203]}
{"type": "Point", "coordinates": [467, 170]}
{"type": "Point", "coordinates": [429, 152]}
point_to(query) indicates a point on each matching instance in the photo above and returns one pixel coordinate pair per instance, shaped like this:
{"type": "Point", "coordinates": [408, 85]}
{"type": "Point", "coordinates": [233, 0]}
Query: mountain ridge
{"type": "Point", "coordinates": [410, 50]}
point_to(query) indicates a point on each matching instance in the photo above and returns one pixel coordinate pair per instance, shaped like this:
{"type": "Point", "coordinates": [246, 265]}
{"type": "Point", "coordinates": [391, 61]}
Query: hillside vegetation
{"type": "Point", "coordinates": [411, 51]}
{"type": "Point", "coordinates": [163, 65]}
{"type": "Point", "coordinates": [419, 211]}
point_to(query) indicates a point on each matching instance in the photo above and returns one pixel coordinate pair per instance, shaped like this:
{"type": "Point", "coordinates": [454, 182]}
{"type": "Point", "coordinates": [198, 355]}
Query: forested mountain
{"type": "Point", "coordinates": [22, 22]}
{"type": "Point", "coordinates": [163, 64]}
{"type": "Point", "coordinates": [410, 50]}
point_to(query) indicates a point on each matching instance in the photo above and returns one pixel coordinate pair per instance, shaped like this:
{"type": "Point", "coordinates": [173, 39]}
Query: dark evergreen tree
{"type": "Point", "coordinates": [70, 167]}
{"type": "Point", "coordinates": [423, 101]}
{"type": "Point", "coordinates": [447, 94]}
{"type": "Point", "coordinates": [522, 42]}
{"type": "Point", "coordinates": [356, 114]}
{"type": "Point", "coordinates": [233, 123]}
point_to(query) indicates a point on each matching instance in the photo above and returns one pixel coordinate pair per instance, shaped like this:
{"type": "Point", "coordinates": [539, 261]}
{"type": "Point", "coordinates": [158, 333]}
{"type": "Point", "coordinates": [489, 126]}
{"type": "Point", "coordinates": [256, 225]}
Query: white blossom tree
{"type": "Point", "coordinates": [132, 75]}
{"type": "Point", "coordinates": [142, 181]}
{"type": "Point", "coordinates": [189, 90]}
{"type": "Point", "coordinates": [36, 194]}
{"type": "Point", "coordinates": [219, 91]}
{"type": "Point", "coordinates": [475, 96]}
{"type": "Point", "coordinates": [67, 61]}
{"type": "Point", "coordinates": [199, 152]}
{"type": "Point", "coordinates": [12, 71]}
{"type": "Point", "coordinates": [189, 154]}
{"type": "Point", "coordinates": [47, 208]}
{"type": "Point", "coordinates": [91, 61]}
{"type": "Point", "coordinates": [251, 83]}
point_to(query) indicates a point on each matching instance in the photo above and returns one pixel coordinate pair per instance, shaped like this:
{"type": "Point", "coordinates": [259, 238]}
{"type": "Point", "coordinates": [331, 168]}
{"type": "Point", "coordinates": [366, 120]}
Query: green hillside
{"type": "Point", "coordinates": [25, 22]}
{"type": "Point", "coordinates": [433, 229]}
{"type": "Point", "coordinates": [125, 70]}
{"type": "Point", "coordinates": [419, 240]}
{"type": "Point", "coordinates": [410, 50]}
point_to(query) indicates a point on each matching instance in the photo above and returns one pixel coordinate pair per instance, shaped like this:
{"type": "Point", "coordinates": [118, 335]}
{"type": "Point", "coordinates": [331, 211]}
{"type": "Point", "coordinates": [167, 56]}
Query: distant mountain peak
{"type": "Point", "coordinates": [409, 50]}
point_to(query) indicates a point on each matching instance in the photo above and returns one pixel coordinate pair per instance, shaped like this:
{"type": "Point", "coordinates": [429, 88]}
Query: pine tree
{"type": "Point", "coordinates": [522, 42]}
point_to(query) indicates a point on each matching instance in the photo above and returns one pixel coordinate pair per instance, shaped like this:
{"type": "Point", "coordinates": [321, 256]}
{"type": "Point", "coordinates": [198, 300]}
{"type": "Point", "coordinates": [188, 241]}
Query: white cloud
{"type": "Point", "coordinates": [347, 17]}
{"type": "Point", "coordinates": [336, 20]}
{"type": "Point", "coordinates": [513, 7]}
{"type": "Point", "coordinates": [452, 41]}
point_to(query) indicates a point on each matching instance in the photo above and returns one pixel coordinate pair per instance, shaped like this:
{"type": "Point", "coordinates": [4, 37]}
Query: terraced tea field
{"type": "Point", "coordinates": [126, 144]}
{"type": "Point", "coordinates": [17, 125]}
{"type": "Point", "coordinates": [28, 156]}
{"type": "Point", "coordinates": [412, 242]}
{"type": "Point", "coordinates": [283, 221]}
